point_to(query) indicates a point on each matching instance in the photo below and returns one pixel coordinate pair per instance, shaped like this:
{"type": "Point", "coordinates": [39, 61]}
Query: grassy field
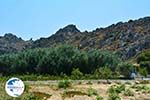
{"type": "Point", "coordinates": [82, 90]}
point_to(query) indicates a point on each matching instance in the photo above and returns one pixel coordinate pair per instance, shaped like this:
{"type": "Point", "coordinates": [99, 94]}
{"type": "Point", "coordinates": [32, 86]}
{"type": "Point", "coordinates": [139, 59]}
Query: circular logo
{"type": "Point", "coordinates": [14, 87]}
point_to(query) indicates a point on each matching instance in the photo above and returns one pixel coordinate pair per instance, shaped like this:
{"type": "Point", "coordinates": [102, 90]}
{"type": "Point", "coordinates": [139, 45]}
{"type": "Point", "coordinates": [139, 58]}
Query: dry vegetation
{"type": "Point", "coordinates": [83, 90]}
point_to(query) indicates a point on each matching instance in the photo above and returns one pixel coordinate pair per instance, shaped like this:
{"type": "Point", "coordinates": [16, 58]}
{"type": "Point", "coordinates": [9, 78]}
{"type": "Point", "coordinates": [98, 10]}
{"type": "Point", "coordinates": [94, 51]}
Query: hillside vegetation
{"type": "Point", "coordinates": [70, 61]}
{"type": "Point", "coordinates": [117, 50]}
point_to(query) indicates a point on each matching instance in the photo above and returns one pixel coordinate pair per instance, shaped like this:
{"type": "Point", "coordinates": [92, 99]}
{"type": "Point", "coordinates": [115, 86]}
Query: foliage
{"type": "Point", "coordinates": [76, 74]}
{"type": "Point", "coordinates": [29, 96]}
{"type": "Point", "coordinates": [103, 72]}
{"type": "Point", "coordinates": [142, 88]}
{"type": "Point", "coordinates": [61, 60]}
{"type": "Point", "coordinates": [125, 68]}
{"type": "Point", "coordinates": [120, 88]}
{"type": "Point", "coordinates": [128, 92]}
{"type": "Point", "coordinates": [145, 56]}
{"type": "Point", "coordinates": [64, 84]}
{"type": "Point", "coordinates": [99, 98]}
{"type": "Point", "coordinates": [144, 60]}
{"type": "Point", "coordinates": [143, 71]}
{"type": "Point", "coordinates": [116, 89]}
{"type": "Point", "coordinates": [114, 96]}
{"type": "Point", "coordinates": [91, 91]}
{"type": "Point", "coordinates": [99, 58]}
{"type": "Point", "coordinates": [113, 92]}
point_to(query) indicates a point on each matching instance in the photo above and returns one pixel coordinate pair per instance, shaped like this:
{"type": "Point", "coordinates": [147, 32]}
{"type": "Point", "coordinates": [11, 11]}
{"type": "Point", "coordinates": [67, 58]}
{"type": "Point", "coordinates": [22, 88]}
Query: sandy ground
{"type": "Point", "coordinates": [50, 87]}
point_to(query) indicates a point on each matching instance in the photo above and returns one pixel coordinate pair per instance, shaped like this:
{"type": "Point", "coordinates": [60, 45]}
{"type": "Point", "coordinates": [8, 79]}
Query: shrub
{"type": "Point", "coordinates": [29, 96]}
{"type": "Point", "coordinates": [5, 97]}
{"type": "Point", "coordinates": [120, 88]}
{"type": "Point", "coordinates": [114, 96]}
{"type": "Point", "coordinates": [111, 89]}
{"type": "Point", "coordinates": [125, 68]}
{"type": "Point", "coordinates": [27, 87]}
{"type": "Point", "coordinates": [144, 60]}
{"type": "Point", "coordinates": [76, 74]}
{"type": "Point", "coordinates": [128, 92]}
{"type": "Point", "coordinates": [99, 98]}
{"type": "Point", "coordinates": [143, 71]}
{"type": "Point", "coordinates": [144, 89]}
{"type": "Point", "coordinates": [116, 89]}
{"type": "Point", "coordinates": [91, 92]}
{"type": "Point", "coordinates": [64, 84]}
{"type": "Point", "coordinates": [103, 72]}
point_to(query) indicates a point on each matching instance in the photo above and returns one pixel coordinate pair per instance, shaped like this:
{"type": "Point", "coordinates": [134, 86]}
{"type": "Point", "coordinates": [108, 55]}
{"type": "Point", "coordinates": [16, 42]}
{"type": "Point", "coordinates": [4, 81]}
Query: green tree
{"type": "Point", "coordinates": [102, 58]}
{"type": "Point", "coordinates": [125, 68]}
{"type": "Point", "coordinates": [143, 71]}
{"type": "Point", "coordinates": [144, 60]}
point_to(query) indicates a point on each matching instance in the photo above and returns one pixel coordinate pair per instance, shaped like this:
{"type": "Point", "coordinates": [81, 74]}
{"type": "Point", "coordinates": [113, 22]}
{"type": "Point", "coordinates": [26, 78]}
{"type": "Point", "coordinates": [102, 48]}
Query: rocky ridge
{"type": "Point", "coordinates": [125, 38]}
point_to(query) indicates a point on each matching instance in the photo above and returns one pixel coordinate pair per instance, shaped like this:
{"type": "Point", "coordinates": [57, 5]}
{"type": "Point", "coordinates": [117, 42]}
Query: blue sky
{"type": "Point", "coordinates": [41, 18]}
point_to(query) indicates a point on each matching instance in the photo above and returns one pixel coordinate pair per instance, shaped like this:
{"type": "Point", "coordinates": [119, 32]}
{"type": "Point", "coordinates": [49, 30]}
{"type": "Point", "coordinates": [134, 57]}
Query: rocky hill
{"type": "Point", "coordinates": [125, 38]}
{"type": "Point", "coordinates": [10, 43]}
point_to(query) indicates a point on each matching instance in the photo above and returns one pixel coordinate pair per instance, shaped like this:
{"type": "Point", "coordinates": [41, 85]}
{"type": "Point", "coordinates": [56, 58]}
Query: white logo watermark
{"type": "Point", "coordinates": [14, 87]}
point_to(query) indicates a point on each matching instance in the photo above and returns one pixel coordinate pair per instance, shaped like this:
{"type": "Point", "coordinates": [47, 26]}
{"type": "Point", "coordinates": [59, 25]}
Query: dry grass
{"type": "Point", "coordinates": [80, 91]}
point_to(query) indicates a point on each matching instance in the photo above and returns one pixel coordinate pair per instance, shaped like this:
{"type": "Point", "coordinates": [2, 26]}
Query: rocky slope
{"type": "Point", "coordinates": [127, 39]}
{"type": "Point", "coordinates": [10, 43]}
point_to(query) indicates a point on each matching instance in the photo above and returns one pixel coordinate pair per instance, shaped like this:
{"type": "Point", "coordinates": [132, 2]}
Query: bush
{"type": "Point", "coordinates": [91, 92]}
{"type": "Point", "coordinates": [103, 73]}
{"type": "Point", "coordinates": [64, 84]}
{"type": "Point", "coordinates": [29, 96]}
{"type": "Point", "coordinates": [111, 90]}
{"type": "Point", "coordinates": [144, 60]}
{"type": "Point", "coordinates": [114, 96]}
{"type": "Point", "coordinates": [99, 98]}
{"type": "Point", "coordinates": [120, 88]}
{"type": "Point", "coordinates": [143, 71]}
{"type": "Point", "coordinates": [76, 74]}
{"type": "Point", "coordinates": [5, 97]}
{"type": "Point", "coordinates": [116, 89]}
{"type": "Point", "coordinates": [125, 68]}
{"type": "Point", "coordinates": [144, 89]}
{"type": "Point", "coordinates": [27, 87]}
{"type": "Point", "coordinates": [128, 92]}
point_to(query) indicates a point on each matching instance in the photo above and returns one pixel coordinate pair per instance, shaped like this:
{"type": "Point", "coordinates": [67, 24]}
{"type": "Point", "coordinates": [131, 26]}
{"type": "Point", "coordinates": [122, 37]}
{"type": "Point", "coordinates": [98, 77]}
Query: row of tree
{"type": "Point", "coordinates": [62, 60]}
{"type": "Point", "coordinates": [144, 61]}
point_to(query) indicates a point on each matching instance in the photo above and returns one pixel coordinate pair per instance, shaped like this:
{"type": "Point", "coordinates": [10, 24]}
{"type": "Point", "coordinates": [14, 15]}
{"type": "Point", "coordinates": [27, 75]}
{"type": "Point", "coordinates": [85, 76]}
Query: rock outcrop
{"type": "Point", "coordinates": [10, 43]}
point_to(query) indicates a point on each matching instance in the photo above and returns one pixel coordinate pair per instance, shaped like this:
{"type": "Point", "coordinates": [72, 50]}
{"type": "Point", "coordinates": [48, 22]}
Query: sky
{"type": "Point", "coordinates": [42, 18]}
